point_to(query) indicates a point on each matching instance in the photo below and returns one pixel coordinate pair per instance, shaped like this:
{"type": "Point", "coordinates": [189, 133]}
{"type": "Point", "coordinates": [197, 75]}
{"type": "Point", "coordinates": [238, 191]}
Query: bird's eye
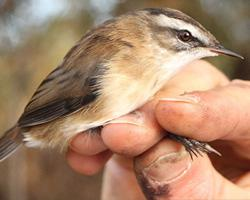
{"type": "Point", "coordinates": [185, 36]}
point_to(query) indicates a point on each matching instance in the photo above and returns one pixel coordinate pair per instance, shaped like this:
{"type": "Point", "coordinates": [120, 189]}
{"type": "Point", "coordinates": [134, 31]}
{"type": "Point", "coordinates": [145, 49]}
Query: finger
{"type": "Point", "coordinates": [88, 143]}
{"type": "Point", "coordinates": [136, 132]}
{"type": "Point", "coordinates": [196, 76]}
{"type": "Point", "coordinates": [132, 134]}
{"type": "Point", "coordinates": [166, 172]}
{"type": "Point", "coordinates": [87, 165]}
{"type": "Point", "coordinates": [221, 113]}
{"type": "Point", "coordinates": [119, 174]}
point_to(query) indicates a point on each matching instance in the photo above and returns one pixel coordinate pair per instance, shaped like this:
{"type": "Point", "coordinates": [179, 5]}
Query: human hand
{"type": "Point", "coordinates": [135, 133]}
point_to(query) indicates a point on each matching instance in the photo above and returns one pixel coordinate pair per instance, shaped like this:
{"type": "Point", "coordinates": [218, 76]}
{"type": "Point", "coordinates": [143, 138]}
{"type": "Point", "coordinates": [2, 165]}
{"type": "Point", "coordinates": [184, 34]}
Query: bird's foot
{"type": "Point", "coordinates": [193, 147]}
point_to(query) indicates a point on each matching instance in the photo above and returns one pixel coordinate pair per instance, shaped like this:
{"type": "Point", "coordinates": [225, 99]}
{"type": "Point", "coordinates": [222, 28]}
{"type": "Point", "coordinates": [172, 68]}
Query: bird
{"type": "Point", "coordinates": [115, 68]}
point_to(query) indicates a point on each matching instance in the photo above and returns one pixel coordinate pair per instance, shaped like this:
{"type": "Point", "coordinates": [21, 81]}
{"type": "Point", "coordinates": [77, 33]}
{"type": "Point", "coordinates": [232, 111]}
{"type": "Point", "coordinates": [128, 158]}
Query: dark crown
{"type": "Point", "coordinates": [175, 14]}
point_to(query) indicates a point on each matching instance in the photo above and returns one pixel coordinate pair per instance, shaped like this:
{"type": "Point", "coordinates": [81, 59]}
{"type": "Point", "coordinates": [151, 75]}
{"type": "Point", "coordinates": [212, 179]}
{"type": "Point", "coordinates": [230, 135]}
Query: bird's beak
{"type": "Point", "coordinates": [222, 50]}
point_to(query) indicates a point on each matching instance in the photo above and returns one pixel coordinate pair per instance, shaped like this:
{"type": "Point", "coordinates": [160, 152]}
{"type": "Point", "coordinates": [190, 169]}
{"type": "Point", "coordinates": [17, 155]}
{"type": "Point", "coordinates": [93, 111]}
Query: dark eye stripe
{"type": "Point", "coordinates": [194, 41]}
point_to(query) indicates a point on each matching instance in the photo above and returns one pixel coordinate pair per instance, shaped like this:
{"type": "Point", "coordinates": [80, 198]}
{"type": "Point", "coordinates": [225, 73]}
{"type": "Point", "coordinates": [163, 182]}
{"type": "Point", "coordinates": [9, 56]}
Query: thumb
{"type": "Point", "coordinates": [166, 171]}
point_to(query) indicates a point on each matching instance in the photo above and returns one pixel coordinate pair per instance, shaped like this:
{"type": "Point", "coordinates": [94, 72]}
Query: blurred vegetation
{"type": "Point", "coordinates": [35, 35]}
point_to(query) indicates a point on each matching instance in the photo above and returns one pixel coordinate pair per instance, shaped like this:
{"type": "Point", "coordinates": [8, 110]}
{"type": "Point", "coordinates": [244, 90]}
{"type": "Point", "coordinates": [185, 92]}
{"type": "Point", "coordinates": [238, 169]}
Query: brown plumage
{"type": "Point", "coordinates": [111, 71]}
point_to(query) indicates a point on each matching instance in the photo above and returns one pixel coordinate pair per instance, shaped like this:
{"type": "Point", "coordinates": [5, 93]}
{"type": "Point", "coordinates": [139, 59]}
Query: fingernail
{"type": "Point", "coordinates": [135, 118]}
{"type": "Point", "coordinates": [182, 99]}
{"type": "Point", "coordinates": [168, 168]}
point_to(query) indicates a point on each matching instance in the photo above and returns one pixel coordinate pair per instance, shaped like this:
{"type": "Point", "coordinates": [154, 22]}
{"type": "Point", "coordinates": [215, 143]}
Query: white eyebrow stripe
{"type": "Point", "coordinates": [178, 24]}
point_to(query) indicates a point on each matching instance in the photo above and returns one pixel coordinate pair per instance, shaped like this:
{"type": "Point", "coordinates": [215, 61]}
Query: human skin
{"type": "Point", "coordinates": [200, 103]}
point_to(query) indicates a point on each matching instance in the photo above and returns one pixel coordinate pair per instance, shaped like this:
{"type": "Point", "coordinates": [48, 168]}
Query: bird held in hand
{"type": "Point", "coordinates": [114, 69]}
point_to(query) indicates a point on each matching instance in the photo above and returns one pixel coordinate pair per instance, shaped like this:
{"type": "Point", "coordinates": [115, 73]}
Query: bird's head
{"type": "Point", "coordinates": [148, 42]}
{"type": "Point", "coordinates": [165, 38]}
{"type": "Point", "coordinates": [181, 35]}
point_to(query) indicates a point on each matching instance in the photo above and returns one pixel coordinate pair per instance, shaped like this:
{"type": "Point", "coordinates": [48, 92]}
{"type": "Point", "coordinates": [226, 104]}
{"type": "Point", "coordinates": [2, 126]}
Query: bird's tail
{"type": "Point", "coordinates": [9, 142]}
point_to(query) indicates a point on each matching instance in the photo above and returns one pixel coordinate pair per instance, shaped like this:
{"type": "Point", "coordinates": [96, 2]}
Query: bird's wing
{"type": "Point", "coordinates": [75, 84]}
{"type": "Point", "coordinates": [69, 88]}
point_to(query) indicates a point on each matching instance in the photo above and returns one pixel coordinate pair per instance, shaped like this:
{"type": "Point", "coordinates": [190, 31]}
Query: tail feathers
{"type": "Point", "coordinates": [10, 141]}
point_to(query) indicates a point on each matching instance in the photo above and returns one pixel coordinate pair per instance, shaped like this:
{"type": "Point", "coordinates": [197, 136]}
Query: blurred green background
{"type": "Point", "coordinates": [34, 37]}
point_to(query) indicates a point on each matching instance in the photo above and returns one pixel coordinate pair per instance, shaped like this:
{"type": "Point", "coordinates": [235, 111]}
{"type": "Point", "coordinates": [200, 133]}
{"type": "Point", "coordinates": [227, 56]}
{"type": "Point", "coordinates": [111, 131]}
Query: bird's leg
{"type": "Point", "coordinates": [193, 147]}
{"type": "Point", "coordinates": [95, 131]}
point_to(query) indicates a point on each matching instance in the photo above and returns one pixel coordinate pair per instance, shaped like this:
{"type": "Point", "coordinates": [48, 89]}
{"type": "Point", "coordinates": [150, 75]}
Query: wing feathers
{"type": "Point", "coordinates": [55, 109]}
{"type": "Point", "coordinates": [74, 84]}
